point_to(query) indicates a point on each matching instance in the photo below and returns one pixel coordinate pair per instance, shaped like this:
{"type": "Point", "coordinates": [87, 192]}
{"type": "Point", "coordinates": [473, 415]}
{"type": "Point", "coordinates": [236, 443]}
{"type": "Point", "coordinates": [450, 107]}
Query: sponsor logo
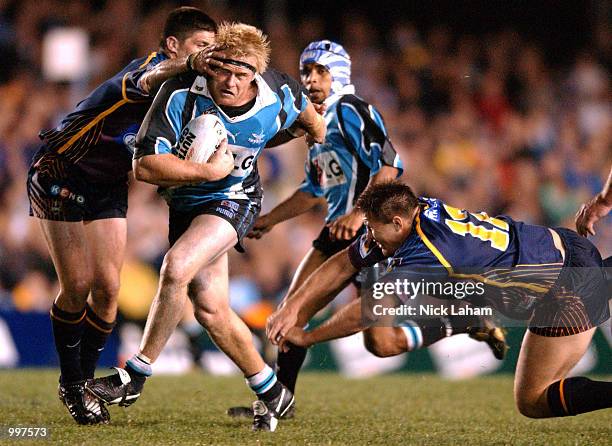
{"type": "Point", "coordinates": [432, 210]}
{"type": "Point", "coordinates": [227, 213]}
{"type": "Point", "coordinates": [243, 160]}
{"type": "Point", "coordinates": [329, 170]}
{"type": "Point", "coordinates": [66, 194]}
{"type": "Point", "coordinates": [230, 204]}
{"type": "Point", "coordinates": [257, 138]}
{"type": "Point", "coordinates": [129, 140]}
{"type": "Point", "coordinates": [185, 142]}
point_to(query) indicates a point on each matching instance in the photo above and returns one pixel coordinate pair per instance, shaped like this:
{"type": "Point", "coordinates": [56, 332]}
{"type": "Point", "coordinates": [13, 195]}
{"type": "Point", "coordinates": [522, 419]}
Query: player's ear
{"type": "Point", "coordinates": [398, 224]}
{"type": "Point", "coordinates": [172, 44]}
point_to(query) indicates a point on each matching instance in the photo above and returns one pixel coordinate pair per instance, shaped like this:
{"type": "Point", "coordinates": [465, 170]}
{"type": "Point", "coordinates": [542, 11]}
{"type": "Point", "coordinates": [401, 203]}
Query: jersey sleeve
{"type": "Point", "coordinates": [364, 253]}
{"type": "Point", "coordinates": [130, 83]}
{"type": "Point", "coordinates": [310, 184]}
{"type": "Point", "coordinates": [161, 126]}
{"type": "Point", "coordinates": [363, 127]}
{"type": "Point", "coordinates": [293, 96]}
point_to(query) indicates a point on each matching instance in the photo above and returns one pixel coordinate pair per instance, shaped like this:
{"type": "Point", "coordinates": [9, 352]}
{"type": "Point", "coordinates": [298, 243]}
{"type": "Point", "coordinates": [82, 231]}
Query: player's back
{"type": "Point", "coordinates": [98, 136]}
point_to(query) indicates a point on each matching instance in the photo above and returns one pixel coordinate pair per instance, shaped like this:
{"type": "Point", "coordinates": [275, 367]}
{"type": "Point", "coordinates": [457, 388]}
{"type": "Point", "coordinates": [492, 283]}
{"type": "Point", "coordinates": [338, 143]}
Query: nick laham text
{"type": "Point", "coordinates": [431, 310]}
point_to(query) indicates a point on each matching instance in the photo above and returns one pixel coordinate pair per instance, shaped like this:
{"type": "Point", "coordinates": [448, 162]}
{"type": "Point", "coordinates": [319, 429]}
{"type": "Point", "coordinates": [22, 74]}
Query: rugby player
{"type": "Point", "coordinates": [78, 187]}
{"type": "Point", "coordinates": [595, 209]}
{"type": "Point", "coordinates": [208, 218]}
{"type": "Point", "coordinates": [356, 153]}
{"type": "Point", "coordinates": [551, 277]}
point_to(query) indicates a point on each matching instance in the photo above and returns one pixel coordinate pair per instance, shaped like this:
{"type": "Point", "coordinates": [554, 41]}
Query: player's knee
{"type": "Point", "coordinates": [530, 405]}
{"type": "Point", "coordinates": [173, 272]}
{"type": "Point", "coordinates": [76, 289]}
{"type": "Point", "coordinates": [105, 290]}
{"type": "Point", "coordinates": [210, 318]}
{"type": "Point", "coordinates": [380, 346]}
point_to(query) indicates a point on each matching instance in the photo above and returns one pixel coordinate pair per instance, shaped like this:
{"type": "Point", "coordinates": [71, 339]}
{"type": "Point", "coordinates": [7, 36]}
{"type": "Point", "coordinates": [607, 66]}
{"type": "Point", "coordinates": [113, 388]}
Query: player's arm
{"type": "Point", "coordinates": [313, 123]}
{"type": "Point", "coordinates": [168, 170]}
{"type": "Point", "coordinates": [154, 161]}
{"type": "Point", "coordinates": [314, 294]}
{"type": "Point", "coordinates": [200, 62]}
{"type": "Point", "coordinates": [595, 209]}
{"type": "Point", "coordinates": [296, 204]}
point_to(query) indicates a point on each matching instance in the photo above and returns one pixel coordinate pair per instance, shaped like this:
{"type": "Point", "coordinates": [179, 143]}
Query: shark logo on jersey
{"type": "Point", "coordinates": [329, 170]}
{"type": "Point", "coordinates": [257, 138]}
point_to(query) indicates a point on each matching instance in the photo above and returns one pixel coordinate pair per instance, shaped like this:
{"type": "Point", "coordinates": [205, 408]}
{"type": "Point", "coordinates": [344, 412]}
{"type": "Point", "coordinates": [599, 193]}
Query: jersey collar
{"type": "Point", "coordinates": [265, 97]}
{"type": "Point", "coordinates": [347, 89]}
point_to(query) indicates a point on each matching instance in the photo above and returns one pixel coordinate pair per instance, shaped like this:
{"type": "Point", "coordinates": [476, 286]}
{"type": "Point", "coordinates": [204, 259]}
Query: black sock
{"type": "Point", "coordinates": [139, 369]}
{"type": "Point", "coordinates": [422, 332]}
{"type": "Point", "coordinates": [573, 396]}
{"type": "Point", "coordinates": [288, 365]}
{"type": "Point", "coordinates": [274, 391]}
{"type": "Point", "coordinates": [95, 334]}
{"type": "Point", "coordinates": [67, 334]}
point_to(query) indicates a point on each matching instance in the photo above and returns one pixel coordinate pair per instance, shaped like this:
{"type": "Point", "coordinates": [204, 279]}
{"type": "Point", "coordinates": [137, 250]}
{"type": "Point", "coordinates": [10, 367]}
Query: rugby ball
{"type": "Point", "coordinates": [200, 138]}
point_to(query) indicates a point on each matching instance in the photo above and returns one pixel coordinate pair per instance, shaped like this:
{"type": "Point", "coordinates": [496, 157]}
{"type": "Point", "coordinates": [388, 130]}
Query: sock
{"type": "Point", "coordinates": [573, 396]}
{"type": "Point", "coordinates": [94, 338]}
{"type": "Point", "coordinates": [424, 332]}
{"type": "Point", "coordinates": [288, 365]}
{"type": "Point", "coordinates": [265, 384]}
{"type": "Point", "coordinates": [67, 333]}
{"type": "Point", "coordinates": [139, 368]}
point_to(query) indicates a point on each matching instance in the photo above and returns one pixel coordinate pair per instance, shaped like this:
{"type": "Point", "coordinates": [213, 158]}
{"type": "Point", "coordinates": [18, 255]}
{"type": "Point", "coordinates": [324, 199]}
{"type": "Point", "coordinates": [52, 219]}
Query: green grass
{"type": "Point", "coordinates": [389, 410]}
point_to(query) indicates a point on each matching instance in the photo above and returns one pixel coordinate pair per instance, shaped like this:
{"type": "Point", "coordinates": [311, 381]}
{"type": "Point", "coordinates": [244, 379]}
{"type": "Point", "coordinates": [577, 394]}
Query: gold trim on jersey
{"type": "Point", "coordinates": [106, 112]}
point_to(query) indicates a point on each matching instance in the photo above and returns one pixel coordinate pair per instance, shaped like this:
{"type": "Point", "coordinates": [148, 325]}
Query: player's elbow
{"type": "Point", "coordinates": [142, 170]}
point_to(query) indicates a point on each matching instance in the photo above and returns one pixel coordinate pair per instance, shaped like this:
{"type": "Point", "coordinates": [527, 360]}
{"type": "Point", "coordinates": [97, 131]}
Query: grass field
{"type": "Point", "coordinates": [390, 410]}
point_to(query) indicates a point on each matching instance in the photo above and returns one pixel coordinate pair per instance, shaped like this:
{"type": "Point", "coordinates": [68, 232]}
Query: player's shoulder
{"type": "Point", "coordinates": [353, 103]}
{"type": "Point", "coordinates": [276, 79]}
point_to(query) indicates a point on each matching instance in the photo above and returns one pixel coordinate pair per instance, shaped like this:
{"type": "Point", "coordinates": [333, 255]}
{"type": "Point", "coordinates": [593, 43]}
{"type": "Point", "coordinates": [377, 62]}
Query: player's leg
{"type": "Point", "coordinates": [288, 364]}
{"type": "Point", "coordinates": [106, 241]}
{"type": "Point", "coordinates": [420, 333]}
{"type": "Point", "coordinates": [541, 388]}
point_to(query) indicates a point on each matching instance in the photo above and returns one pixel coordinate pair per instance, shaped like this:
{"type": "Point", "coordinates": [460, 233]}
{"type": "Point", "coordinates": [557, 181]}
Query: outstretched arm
{"type": "Point", "coordinates": [296, 204]}
{"type": "Point", "coordinates": [595, 209]}
{"type": "Point", "coordinates": [315, 293]}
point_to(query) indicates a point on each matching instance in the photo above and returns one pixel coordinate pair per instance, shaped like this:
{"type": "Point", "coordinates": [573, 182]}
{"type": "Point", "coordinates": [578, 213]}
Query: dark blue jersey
{"type": "Point", "coordinates": [98, 136]}
{"type": "Point", "coordinates": [356, 147]}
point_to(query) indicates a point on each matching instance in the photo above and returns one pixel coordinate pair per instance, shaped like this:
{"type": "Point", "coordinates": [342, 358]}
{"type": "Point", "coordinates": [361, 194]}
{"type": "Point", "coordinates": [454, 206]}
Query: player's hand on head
{"type": "Point", "coordinates": [221, 163]}
{"type": "Point", "coordinates": [207, 60]}
{"type": "Point", "coordinates": [346, 226]}
{"type": "Point", "coordinates": [280, 323]}
{"type": "Point", "coordinates": [589, 214]}
{"type": "Point", "coordinates": [262, 225]}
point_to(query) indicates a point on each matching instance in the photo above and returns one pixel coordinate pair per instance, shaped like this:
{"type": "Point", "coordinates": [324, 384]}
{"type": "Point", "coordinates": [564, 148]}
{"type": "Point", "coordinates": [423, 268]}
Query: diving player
{"type": "Point", "coordinates": [551, 277]}
{"type": "Point", "coordinates": [356, 153]}
{"type": "Point", "coordinates": [595, 209]}
{"type": "Point", "coordinates": [77, 186]}
{"type": "Point", "coordinates": [208, 218]}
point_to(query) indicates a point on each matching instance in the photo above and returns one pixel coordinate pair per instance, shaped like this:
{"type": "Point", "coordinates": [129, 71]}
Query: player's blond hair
{"type": "Point", "coordinates": [241, 40]}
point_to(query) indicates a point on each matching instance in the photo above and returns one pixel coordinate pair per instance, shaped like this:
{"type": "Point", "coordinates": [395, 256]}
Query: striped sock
{"type": "Point", "coordinates": [414, 335]}
{"type": "Point", "coordinates": [265, 384]}
{"type": "Point", "coordinates": [140, 365]}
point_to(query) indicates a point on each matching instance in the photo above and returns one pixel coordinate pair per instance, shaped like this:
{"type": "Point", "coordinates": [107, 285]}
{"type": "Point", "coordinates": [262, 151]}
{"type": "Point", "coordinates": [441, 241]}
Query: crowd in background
{"type": "Point", "coordinates": [484, 123]}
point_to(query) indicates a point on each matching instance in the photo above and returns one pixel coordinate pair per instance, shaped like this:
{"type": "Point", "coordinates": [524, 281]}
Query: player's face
{"type": "Point", "coordinates": [233, 85]}
{"type": "Point", "coordinates": [318, 80]}
{"type": "Point", "coordinates": [389, 236]}
{"type": "Point", "coordinates": [197, 41]}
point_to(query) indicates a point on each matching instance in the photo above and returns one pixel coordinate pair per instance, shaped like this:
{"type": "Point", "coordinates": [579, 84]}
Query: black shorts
{"type": "Point", "coordinates": [329, 247]}
{"type": "Point", "coordinates": [579, 299]}
{"type": "Point", "coordinates": [59, 191]}
{"type": "Point", "coordinates": [241, 214]}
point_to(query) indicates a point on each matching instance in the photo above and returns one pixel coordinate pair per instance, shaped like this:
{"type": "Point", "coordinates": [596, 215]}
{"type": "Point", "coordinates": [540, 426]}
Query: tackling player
{"type": "Point", "coordinates": [595, 209]}
{"type": "Point", "coordinates": [208, 218]}
{"type": "Point", "coordinates": [553, 278]}
{"type": "Point", "coordinates": [356, 153]}
{"type": "Point", "coordinates": [77, 186]}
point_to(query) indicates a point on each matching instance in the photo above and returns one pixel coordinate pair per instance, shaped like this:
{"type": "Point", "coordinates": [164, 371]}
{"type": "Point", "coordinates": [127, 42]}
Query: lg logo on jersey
{"type": "Point", "coordinates": [244, 159]}
{"type": "Point", "coordinates": [329, 170]}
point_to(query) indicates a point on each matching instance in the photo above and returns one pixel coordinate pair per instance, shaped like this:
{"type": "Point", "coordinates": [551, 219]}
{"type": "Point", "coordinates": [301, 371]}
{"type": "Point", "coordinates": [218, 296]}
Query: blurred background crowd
{"type": "Point", "coordinates": [501, 119]}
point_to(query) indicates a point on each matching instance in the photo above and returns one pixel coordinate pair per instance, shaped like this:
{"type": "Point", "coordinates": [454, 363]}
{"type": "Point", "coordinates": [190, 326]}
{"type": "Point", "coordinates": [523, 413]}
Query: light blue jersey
{"type": "Point", "coordinates": [280, 99]}
{"type": "Point", "coordinates": [355, 149]}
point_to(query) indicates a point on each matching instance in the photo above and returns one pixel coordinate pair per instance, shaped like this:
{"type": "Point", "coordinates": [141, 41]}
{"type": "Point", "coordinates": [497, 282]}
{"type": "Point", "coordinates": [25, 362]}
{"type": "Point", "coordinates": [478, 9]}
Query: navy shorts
{"type": "Point", "coordinates": [59, 191]}
{"type": "Point", "coordinates": [329, 247]}
{"type": "Point", "coordinates": [579, 299]}
{"type": "Point", "coordinates": [241, 214]}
